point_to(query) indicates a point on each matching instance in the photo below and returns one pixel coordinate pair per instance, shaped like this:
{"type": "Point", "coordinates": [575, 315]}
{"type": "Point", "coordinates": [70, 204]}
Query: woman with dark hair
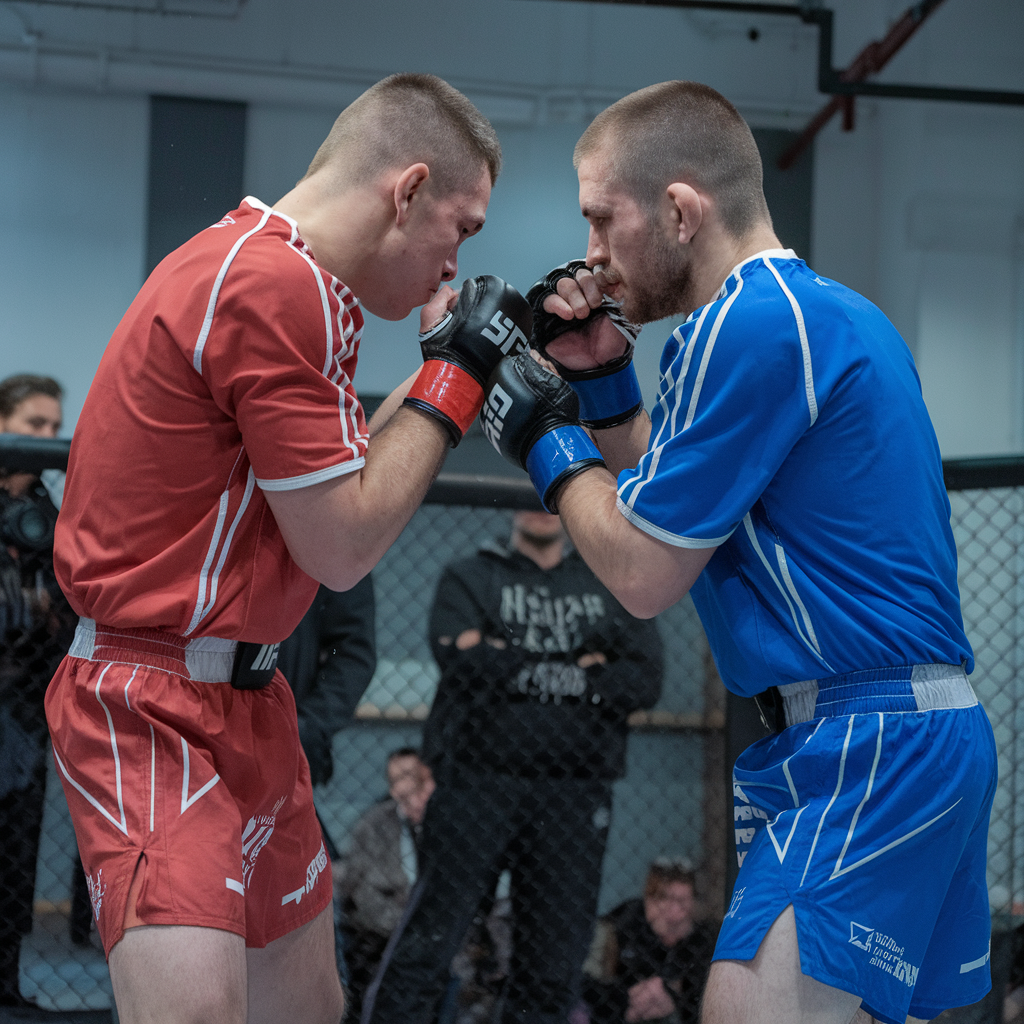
{"type": "Point", "coordinates": [36, 626]}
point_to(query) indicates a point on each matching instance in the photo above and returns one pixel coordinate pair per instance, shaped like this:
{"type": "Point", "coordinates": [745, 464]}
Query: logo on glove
{"type": "Point", "coordinates": [506, 335]}
{"type": "Point", "coordinates": [498, 403]}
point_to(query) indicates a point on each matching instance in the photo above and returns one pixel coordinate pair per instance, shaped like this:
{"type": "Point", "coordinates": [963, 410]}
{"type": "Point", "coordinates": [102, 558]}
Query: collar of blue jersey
{"type": "Point", "coordinates": [776, 254]}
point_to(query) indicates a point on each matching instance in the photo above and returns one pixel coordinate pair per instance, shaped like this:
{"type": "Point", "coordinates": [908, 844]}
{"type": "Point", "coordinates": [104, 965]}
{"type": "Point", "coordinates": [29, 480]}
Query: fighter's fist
{"type": "Point", "coordinates": [532, 418]}
{"type": "Point", "coordinates": [490, 320]}
{"type": "Point", "coordinates": [609, 392]}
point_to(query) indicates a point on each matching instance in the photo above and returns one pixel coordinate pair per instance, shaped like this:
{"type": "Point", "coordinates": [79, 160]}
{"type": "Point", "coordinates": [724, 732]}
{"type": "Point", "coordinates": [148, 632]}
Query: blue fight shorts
{"type": "Point", "coordinates": [869, 814]}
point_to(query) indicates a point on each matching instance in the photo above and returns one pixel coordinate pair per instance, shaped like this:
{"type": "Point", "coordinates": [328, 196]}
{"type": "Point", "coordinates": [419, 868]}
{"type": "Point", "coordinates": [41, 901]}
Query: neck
{"type": "Point", "coordinates": [545, 552]}
{"type": "Point", "coordinates": [677, 935]}
{"type": "Point", "coordinates": [336, 223]}
{"type": "Point", "coordinates": [721, 253]}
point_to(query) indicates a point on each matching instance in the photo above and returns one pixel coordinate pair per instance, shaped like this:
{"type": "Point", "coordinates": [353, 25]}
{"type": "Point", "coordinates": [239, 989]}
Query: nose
{"type": "Point", "coordinates": [451, 266]}
{"type": "Point", "coordinates": [597, 250]}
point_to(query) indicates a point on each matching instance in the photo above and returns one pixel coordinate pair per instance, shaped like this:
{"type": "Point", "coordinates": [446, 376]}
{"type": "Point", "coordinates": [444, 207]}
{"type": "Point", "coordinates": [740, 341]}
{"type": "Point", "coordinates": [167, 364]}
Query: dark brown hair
{"type": "Point", "coordinates": [666, 870]}
{"type": "Point", "coordinates": [408, 118]}
{"type": "Point", "coordinates": [15, 389]}
{"type": "Point", "coordinates": [682, 131]}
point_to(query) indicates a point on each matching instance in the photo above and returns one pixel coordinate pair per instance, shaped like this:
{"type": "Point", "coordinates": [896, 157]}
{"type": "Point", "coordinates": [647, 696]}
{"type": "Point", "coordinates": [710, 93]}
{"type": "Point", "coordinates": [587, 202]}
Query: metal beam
{"type": "Point", "coordinates": [850, 82]}
{"type": "Point", "coordinates": [185, 8]}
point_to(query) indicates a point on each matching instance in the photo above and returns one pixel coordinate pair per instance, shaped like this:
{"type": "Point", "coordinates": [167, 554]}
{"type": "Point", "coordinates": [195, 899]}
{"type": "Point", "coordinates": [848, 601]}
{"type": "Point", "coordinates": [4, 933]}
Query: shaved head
{"type": "Point", "coordinates": [407, 119]}
{"type": "Point", "coordinates": [685, 132]}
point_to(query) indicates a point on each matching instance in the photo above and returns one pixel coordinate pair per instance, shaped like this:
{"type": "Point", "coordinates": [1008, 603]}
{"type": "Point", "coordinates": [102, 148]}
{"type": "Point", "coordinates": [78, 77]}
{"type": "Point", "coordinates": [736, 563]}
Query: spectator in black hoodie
{"type": "Point", "coordinates": [540, 669]}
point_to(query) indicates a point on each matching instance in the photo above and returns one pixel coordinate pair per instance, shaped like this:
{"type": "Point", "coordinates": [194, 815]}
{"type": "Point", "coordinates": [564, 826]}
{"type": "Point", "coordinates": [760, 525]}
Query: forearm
{"type": "Point", "coordinates": [646, 575]}
{"type": "Point", "coordinates": [390, 405]}
{"type": "Point", "coordinates": [622, 447]}
{"type": "Point", "coordinates": [337, 531]}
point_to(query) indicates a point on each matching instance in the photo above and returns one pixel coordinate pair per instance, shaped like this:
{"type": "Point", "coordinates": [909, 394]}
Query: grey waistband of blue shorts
{"type": "Point", "coordinates": [903, 688]}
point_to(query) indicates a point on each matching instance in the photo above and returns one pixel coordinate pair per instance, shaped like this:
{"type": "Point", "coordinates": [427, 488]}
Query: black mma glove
{"type": "Point", "coordinates": [609, 394]}
{"type": "Point", "coordinates": [532, 418]}
{"type": "Point", "coordinates": [490, 320]}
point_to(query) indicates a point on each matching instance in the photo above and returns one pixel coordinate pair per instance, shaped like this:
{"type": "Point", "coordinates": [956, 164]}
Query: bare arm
{"type": "Point", "coordinates": [622, 447]}
{"type": "Point", "coordinates": [390, 405]}
{"type": "Point", "coordinates": [645, 574]}
{"type": "Point", "coordinates": [337, 531]}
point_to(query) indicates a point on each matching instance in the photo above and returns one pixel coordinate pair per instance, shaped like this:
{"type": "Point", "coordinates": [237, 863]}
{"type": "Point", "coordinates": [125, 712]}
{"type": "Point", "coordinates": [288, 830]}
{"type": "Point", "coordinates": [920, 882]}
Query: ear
{"type": "Point", "coordinates": [687, 209]}
{"type": "Point", "coordinates": [409, 183]}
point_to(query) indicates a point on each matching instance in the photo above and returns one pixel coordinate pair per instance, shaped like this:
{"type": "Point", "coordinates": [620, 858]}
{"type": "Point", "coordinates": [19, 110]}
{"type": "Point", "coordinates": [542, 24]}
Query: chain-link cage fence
{"type": "Point", "coordinates": [987, 500]}
{"type": "Point", "coordinates": [531, 779]}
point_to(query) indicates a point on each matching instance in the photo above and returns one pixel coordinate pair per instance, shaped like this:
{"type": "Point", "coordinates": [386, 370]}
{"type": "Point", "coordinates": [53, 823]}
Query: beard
{"type": "Point", "coordinates": [541, 540]}
{"type": "Point", "coordinates": [664, 290]}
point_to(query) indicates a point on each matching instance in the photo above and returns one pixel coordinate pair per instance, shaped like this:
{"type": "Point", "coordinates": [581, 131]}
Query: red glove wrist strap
{"type": "Point", "coordinates": [451, 389]}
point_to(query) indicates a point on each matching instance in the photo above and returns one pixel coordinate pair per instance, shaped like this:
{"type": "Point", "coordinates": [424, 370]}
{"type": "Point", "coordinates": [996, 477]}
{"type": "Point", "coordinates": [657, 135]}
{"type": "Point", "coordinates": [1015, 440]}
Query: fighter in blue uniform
{"type": "Point", "coordinates": [789, 476]}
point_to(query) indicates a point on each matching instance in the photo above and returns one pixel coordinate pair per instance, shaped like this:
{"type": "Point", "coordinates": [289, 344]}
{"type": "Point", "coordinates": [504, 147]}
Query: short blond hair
{"type": "Point", "coordinates": [406, 119]}
{"type": "Point", "coordinates": [682, 131]}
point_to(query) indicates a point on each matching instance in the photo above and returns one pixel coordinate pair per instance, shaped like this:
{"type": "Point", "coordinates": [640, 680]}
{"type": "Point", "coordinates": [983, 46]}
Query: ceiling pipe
{"type": "Point", "coordinates": [844, 85]}
{"type": "Point", "coordinates": [228, 9]}
{"type": "Point", "coordinates": [871, 59]}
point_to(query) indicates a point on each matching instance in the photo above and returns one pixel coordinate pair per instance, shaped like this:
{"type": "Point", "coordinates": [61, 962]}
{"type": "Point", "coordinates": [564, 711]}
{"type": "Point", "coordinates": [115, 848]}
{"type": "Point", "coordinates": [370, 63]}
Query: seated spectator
{"type": "Point", "coordinates": [381, 867]}
{"type": "Point", "coordinates": [650, 957]}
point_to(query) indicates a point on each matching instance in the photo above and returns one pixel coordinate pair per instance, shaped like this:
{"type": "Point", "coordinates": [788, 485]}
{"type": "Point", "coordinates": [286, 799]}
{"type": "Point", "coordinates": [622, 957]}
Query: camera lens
{"type": "Point", "coordinates": [26, 526]}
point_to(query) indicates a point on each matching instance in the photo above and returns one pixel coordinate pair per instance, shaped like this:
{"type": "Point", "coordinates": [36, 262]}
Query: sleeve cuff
{"type": "Point", "coordinates": [294, 483]}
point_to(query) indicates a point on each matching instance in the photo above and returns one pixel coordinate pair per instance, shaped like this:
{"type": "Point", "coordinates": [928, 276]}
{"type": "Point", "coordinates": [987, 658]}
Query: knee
{"type": "Point", "coordinates": [334, 1006]}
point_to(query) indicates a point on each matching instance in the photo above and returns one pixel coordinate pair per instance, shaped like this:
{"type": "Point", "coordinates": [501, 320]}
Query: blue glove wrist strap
{"type": "Point", "coordinates": [556, 453]}
{"type": "Point", "coordinates": [613, 397]}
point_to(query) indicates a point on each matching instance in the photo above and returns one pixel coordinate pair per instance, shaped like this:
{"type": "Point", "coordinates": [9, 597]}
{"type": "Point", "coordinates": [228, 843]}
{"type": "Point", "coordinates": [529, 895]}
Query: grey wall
{"type": "Point", "coordinates": [919, 208]}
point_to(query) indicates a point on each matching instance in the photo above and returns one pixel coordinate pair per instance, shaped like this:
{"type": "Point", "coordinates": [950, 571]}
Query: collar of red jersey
{"type": "Point", "coordinates": [260, 205]}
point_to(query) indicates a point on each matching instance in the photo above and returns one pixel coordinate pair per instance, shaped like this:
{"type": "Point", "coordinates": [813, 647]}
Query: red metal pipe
{"type": "Point", "coordinates": [869, 61]}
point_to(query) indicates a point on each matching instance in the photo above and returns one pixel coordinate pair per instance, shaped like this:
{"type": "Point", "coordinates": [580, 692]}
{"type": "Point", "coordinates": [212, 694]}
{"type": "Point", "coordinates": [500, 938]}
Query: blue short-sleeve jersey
{"type": "Point", "coordinates": [790, 433]}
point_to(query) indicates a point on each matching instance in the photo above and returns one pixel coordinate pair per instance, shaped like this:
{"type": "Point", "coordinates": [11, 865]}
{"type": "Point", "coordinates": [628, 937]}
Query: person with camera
{"type": "Point", "coordinates": [36, 627]}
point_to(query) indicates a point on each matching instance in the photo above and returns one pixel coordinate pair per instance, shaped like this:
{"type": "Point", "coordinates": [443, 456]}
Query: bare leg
{"type": "Point", "coordinates": [171, 974]}
{"type": "Point", "coordinates": [295, 978]}
{"type": "Point", "coordinates": [771, 988]}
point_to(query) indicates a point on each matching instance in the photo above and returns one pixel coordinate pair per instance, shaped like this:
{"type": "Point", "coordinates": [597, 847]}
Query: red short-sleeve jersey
{"type": "Point", "coordinates": [230, 375]}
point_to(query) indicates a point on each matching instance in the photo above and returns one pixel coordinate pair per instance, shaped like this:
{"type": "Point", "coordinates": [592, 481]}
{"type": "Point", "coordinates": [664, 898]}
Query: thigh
{"type": "Point", "coordinates": [955, 970]}
{"type": "Point", "coordinates": [556, 876]}
{"type": "Point", "coordinates": [772, 987]}
{"type": "Point", "coordinates": [191, 801]}
{"type": "Point", "coordinates": [860, 823]}
{"type": "Point", "coordinates": [466, 831]}
{"type": "Point", "coordinates": [169, 974]}
{"type": "Point", "coordinates": [295, 978]}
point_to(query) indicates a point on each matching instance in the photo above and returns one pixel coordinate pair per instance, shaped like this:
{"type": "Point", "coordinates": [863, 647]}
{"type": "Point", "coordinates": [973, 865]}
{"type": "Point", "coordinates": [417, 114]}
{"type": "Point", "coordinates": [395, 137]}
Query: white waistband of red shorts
{"type": "Point", "coordinates": [203, 659]}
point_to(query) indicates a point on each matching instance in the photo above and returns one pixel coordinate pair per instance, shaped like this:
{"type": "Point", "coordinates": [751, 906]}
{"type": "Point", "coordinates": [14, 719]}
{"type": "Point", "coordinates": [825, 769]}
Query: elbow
{"type": "Point", "coordinates": [640, 598]}
{"type": "Point", "coordinates": [645, 595]}
{"type": "Point", "coordinates": [339, 575]}
{"type": "Point", "coordinates": [640, 605]}
{"type": "Point", "coordinates": [339, 581]}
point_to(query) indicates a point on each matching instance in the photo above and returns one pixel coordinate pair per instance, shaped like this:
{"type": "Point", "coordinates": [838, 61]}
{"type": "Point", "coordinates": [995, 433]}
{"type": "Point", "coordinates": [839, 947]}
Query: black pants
{"type": "Point", "coordinates": [21, 817]}
{"type": "Point", "coordinates": [551, 836]}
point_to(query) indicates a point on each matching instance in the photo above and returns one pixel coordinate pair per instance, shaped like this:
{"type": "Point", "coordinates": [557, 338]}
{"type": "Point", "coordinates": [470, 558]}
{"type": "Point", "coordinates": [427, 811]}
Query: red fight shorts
{"type": "Point", "coordinates": [191, 800]}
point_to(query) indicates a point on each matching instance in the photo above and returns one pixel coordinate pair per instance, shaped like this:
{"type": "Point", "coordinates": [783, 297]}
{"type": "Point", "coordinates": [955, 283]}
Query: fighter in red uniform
{"type": "Point", "coordinates": [221, 469]}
